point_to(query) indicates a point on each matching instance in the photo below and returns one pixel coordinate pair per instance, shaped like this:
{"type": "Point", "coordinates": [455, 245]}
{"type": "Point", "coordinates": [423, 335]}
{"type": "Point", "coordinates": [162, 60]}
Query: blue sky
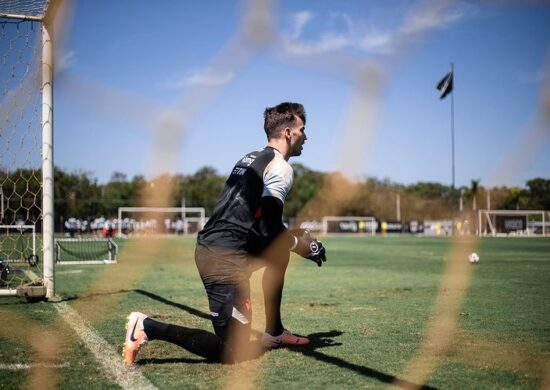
{"type": "Point", "coordinates": [124, 64]}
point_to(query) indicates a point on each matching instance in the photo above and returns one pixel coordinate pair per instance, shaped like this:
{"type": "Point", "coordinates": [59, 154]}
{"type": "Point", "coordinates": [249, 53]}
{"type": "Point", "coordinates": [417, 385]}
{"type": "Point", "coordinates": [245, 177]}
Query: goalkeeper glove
{"type": "Point", "coordinates": [308, 247]}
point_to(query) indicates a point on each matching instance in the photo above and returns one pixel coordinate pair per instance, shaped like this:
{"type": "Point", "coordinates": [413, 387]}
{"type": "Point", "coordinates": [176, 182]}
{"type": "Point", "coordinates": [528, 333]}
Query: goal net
{"type": "Point", "coordinates": [85, 251]}
{"type": "Point", "coordinates": [143, 221]}
{"type": "Point", "coordinates": [18, 244]}
{"type": "Point", "coordinates": [348, 224]}
{"type": "Point", "coordinates": [513, 222]}
{"type": "Point", "coordinates": [26, 232]}
{"type": "Point", "coordinates": [19, 263]}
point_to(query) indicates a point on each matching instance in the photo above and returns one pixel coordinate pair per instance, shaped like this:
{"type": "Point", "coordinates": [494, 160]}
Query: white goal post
{"type": "Point", "coordinates": [349, 224]}
{"type": "Point", "coordinates": [513, 222]}
{"type": "Point", "coordinates": [26, 109]}
{"type": "Point", "coordinates": [182, 213]}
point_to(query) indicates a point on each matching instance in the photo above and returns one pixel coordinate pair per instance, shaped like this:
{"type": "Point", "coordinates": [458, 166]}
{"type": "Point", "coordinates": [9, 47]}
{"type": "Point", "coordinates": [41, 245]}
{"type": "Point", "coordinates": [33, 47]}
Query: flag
{"type": "Point", "coordinates": [445, 85]}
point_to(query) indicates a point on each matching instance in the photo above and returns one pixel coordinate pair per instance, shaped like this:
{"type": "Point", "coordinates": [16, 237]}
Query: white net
{"type": "Point", "coordinates": [20, 142]}
{"type": "Point", "coordinates": [24, 8]}
{"type": "Point", "coordinates": [85, 251]}
{"type": "Point", "coordinates": [21, 247]}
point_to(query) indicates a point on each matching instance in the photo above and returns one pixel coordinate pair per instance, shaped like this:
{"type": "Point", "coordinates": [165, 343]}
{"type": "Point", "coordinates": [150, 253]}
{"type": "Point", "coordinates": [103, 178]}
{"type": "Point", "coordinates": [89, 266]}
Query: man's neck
{"type": "Point", "coordinates": [281, 147]}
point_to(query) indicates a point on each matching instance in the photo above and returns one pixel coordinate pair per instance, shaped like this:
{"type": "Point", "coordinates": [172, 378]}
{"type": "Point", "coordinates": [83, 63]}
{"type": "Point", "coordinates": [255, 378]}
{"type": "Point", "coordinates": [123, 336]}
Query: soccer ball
{"type": "Point", "coordinates": [473, 258]}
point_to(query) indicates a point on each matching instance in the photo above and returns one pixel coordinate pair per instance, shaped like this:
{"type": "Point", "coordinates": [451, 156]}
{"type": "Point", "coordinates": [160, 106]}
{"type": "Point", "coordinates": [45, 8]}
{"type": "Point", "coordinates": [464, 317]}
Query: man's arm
{"type": "Point", "coordinates": [274, 232]}
{"type": "Point", "coordinates": [271, 223]}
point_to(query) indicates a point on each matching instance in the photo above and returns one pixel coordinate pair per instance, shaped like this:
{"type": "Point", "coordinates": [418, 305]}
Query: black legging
{"type": "Point", "coordinates": [230, 344]}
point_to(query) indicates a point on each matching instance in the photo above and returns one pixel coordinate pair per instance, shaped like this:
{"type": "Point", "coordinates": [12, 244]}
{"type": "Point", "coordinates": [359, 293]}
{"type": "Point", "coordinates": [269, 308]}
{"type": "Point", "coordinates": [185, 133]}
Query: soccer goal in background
{"type": "Point", "coordinates": [143, 221]}
{"type": "Point", "coordinates": [349, 224]}
{"type": "Point", "coordinates": [513, 222]}
{"type": "Point", "coordinates": [95, 250]}
{"type": "Point", "coordinates": [26, 149]}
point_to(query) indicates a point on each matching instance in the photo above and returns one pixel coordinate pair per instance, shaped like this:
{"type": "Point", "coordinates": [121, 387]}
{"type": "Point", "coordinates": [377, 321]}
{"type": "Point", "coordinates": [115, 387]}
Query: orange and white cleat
{"type": "Point", "coordinates": [283, 340]}
{"type": "Point", "coordinates": [135, 337]}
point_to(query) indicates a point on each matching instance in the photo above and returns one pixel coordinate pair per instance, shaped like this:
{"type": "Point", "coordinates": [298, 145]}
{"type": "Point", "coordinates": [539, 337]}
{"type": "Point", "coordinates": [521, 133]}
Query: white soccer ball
{"type": "Point", "coordinates": [473, 257]}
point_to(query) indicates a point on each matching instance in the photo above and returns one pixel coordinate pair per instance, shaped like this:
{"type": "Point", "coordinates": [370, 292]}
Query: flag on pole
{"type": "Point", "coordinates": [445, 85]}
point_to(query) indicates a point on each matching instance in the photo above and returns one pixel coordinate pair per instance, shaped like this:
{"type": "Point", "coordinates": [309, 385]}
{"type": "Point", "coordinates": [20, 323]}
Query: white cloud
{"type": "Point", "coordinates": [66, 60]}
{"type": "Point", "coordinates": [347, 32]}
{"type": "Point", "coordinates": [376, 42]}
{"type": "Point", "coordinates": [206, 77]}
{"type": "Point", "coordinates": [432, 16]}
{"type": "Point", "coordinates": [326, 44]}
{"type": "Point", "coordinates": [300, 19]}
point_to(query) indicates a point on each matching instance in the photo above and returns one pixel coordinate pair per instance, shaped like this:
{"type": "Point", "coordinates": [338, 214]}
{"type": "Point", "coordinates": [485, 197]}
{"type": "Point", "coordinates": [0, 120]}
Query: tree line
{"type": "Point", "coordinates": [314, 194]}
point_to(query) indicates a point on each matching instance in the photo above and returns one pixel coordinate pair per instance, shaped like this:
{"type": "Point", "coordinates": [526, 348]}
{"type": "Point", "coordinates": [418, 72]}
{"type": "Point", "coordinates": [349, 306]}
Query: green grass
{"type": "Point", "coordinates": [365, 311]}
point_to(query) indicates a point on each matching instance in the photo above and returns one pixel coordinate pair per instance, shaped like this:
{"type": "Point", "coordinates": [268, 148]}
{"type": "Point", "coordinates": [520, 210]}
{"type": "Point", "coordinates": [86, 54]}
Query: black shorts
{"type": "Point", "coordinates": [230, 307]}
{"type": "Point", "coordinates": [228, 288]}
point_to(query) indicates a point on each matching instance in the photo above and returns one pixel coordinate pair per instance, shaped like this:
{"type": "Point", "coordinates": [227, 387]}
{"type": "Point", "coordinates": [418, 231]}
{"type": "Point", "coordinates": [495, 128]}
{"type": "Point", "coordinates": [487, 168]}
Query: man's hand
{"type": "Point", "coordinates": [308, 247]}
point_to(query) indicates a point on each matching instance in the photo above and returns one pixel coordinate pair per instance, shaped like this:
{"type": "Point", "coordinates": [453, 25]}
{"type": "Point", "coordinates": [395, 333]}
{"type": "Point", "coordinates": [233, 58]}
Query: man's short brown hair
{"type": "Point", "coordinates": [280, 116]}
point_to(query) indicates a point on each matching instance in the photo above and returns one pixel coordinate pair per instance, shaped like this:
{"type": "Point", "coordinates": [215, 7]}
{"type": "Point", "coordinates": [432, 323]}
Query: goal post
{"type": "Point", "coordinates": [26, 150]}
{"type": "Point", "coordinates": [349, 224]}
{"type": "Point", "coordinates": [93, 250]}
{"type": "Point", "coordinates": [513, 222]}
{"type": "Point", "coordinates": [184, 220]}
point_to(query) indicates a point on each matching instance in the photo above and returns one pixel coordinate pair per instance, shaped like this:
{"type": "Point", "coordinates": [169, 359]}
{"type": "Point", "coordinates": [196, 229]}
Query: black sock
{"type": "Point", "coordinates": [197, 341]}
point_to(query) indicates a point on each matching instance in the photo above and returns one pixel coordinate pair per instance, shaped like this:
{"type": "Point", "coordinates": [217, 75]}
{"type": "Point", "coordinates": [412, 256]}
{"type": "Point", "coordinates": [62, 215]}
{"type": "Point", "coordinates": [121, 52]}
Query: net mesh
{"type": "Point", "coordinates": [256, 32]}
{"type": "Point", "coordinates": [20, 140]}
{"type": "Point", "coordinates": [32, 8]}
{"type": "Point", "coordinates": [85, 250]}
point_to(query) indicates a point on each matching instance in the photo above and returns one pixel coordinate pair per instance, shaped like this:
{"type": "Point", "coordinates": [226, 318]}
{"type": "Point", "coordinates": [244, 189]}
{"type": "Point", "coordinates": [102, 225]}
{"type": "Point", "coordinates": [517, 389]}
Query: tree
{"type": "Point", "coordinates": [202, 189]}
{"type": "Point", "coordinates": [474, 188]}
{"type": "Point", "coordinates": [306, 185]}
{"type": "Point", "coordinates": [514, 199]}
{"type": "Point", "coordinates": [539, 193]}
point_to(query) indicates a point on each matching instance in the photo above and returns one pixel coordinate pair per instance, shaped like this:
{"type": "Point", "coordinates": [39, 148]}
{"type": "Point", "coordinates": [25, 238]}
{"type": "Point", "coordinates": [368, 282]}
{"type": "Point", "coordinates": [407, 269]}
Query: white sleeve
{"type": "Point", "coordinates": [278, 177]}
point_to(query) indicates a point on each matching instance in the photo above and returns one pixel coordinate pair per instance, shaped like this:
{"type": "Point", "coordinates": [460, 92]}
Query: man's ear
{"type": "Point", "coordinates": [287, 132]}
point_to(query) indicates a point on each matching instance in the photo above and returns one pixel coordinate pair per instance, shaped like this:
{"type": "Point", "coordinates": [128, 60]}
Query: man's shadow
{"type": "Point", "coordinates": [317, 341]}
{"type": "Point", "coordinates": [324, 339]}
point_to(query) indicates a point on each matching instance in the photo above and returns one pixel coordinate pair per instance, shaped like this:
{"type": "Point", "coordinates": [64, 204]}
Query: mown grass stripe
{"type": "Point", "coordinates": [105, 354]}
{"type": "Point", "coordinates": [28, 366]}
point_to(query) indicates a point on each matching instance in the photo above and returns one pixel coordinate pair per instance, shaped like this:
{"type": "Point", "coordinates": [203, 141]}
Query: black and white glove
{"type": "Point", "coordinates": [308, 247]}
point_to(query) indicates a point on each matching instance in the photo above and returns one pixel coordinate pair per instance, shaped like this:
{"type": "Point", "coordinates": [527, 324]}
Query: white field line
{"type": "Point", "coordinates": [105, 354]}
{"type": "Point", "coordinates": [28, 366]}
{"type": "Point", "coordinates": [73, 271]}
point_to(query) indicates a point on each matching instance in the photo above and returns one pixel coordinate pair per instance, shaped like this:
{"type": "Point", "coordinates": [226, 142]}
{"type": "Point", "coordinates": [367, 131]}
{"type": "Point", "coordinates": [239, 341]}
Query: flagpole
{"type": "Point", "coordinates": [453, 125]}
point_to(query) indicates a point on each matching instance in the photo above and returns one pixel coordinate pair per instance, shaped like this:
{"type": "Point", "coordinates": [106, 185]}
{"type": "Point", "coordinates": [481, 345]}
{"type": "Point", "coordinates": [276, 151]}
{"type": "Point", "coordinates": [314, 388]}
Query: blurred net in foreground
{"type": "Point", "coordinates": [255, 33]}
{"type": "Point", "coordinates": [21, 146]}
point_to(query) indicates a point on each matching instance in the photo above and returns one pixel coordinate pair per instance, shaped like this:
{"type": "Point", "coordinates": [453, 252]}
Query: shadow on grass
{"type": "Point", "coordinates": [148, 294]}
{"type": "Point", "coordinates": [189, 309]}
{"type": "Point", "coordinates": [89, 295]}
{"type": "Point", "coordinates": [144, 362]}
{"type": "Point", "coordinates": [324, 339]}
{"type": "Point", "coordinates": [317, 341]}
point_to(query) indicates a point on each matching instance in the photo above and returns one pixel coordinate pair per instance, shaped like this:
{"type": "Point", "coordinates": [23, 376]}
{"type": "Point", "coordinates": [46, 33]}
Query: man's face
{"type": "Point", "coordinates": [297, 137]}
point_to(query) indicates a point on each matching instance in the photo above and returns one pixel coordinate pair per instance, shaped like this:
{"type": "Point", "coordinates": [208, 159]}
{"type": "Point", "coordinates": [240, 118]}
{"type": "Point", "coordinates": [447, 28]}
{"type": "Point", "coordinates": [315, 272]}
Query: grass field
{"type": "Point", "coordinates": [365, 311]}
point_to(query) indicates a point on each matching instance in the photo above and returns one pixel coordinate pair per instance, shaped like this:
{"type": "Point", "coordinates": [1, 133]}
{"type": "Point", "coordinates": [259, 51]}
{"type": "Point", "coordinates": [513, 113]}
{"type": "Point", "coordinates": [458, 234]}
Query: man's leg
{"type": "Point", "coordinates": [272, 283]}
{"type": "Point", "coordinates": [142, 329]}
{"type": "Point", "coordinates": [231, 314]}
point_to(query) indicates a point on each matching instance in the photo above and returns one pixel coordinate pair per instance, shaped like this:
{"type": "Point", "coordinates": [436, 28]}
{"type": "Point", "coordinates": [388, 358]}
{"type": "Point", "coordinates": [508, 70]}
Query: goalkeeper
{"type": "Point", "coordinates": [245, 233]}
